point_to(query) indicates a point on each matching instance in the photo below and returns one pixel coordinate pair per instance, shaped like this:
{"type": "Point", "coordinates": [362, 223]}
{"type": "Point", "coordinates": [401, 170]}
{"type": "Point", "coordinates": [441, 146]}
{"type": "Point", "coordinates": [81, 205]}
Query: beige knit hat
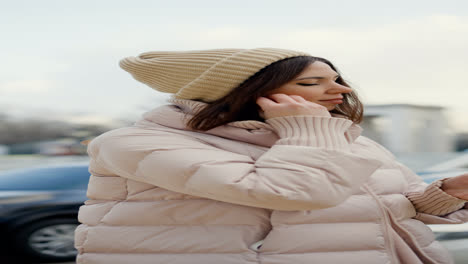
{"type": "Point", "coordinates": [201, 74]}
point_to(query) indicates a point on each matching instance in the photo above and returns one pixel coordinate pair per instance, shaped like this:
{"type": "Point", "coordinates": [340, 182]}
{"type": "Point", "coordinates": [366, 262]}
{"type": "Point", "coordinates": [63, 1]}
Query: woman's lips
{"type": "Point", "coordinates": [333, 101]}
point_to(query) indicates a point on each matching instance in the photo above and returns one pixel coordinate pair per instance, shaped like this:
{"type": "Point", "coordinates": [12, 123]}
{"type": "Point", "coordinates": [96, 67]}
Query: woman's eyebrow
{"type": "Point", "coordinates": [315, 77]}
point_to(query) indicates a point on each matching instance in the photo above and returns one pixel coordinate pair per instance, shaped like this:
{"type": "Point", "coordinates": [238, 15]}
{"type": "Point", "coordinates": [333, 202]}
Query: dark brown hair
{"type": "Point", "coordinates": [240, 104]}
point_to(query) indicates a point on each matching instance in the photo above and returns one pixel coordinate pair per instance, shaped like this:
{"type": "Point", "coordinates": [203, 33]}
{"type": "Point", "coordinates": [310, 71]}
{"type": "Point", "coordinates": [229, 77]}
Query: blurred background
{"type": "Point", "coordinates": [60, 84]}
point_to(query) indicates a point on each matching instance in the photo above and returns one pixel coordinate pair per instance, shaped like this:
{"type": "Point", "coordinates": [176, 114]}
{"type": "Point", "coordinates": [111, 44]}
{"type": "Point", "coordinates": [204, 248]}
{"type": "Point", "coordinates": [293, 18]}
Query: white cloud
{"type": "Point", "coordinates": [31, 65]}
{"type": "Point", "coordinates": [25, 87]}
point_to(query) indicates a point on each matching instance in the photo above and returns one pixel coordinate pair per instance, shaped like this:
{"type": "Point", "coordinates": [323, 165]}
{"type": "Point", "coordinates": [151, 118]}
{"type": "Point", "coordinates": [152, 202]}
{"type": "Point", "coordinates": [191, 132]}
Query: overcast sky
{"type": "Point", "coordinates": [60, 58]}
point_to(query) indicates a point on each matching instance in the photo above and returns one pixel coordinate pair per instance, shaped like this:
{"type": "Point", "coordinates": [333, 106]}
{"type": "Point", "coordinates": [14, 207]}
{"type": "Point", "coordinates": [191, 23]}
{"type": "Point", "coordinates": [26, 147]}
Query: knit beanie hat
{"type": "Point", "coordinates": [205, 75]}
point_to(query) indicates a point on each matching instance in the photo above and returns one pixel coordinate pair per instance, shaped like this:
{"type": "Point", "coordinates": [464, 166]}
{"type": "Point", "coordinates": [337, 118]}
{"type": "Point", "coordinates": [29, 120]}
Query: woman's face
{"type": "Point", "coordinates": [317, 83]}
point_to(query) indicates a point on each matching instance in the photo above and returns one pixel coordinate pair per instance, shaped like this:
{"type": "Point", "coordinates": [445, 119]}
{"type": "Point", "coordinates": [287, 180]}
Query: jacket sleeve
{"type": "Point", "coordinates": [310, 167]}
{"type": "Point", "coordinates": [433, 206]}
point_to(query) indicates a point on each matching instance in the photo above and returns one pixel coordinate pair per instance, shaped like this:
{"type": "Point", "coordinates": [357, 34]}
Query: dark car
{"type": "Point", "coordinates": [39, 208]}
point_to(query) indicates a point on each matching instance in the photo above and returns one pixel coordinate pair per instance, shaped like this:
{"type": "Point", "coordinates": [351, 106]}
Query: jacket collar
{"type": "Point", "coordinates": [250, 131]}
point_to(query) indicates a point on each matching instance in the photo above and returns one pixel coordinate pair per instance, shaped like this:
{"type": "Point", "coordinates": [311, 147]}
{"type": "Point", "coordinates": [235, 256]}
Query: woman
{"type": "Point", "coordinates": [258, 159]}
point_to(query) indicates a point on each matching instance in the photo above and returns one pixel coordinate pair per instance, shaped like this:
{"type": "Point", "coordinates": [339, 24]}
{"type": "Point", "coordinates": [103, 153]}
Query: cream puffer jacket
{"type": "Point", "coordinates": [296, 190]}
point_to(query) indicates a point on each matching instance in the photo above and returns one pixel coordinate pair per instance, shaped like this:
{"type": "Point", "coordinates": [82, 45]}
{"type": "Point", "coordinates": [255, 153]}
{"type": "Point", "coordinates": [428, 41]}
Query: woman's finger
{"type": "Point", "coordinates": [282, 98]}
{"type": "Point", "coordinates": [265, 102]}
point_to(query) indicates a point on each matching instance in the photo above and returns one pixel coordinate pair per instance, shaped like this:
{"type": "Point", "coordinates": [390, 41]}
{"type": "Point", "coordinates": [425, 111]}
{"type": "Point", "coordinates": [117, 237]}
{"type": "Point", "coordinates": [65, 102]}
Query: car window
{"type": "Point", "coordinates": [54, 178]}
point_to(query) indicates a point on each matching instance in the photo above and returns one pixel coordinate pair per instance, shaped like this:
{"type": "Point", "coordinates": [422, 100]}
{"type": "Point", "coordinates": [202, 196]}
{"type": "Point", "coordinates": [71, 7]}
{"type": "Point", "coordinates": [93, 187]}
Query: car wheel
{"type": "Point", "coordinates": [48, 240]}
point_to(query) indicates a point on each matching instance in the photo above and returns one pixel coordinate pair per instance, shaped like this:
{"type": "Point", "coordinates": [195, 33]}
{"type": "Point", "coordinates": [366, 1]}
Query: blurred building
{"type": "Point", "coordinates": [404, 128]}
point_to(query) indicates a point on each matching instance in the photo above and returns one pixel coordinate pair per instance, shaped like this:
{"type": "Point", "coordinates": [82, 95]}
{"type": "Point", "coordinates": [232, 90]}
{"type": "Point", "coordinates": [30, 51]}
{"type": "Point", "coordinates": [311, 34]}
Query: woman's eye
{"type": "Point", "coordinates": [307, 84]}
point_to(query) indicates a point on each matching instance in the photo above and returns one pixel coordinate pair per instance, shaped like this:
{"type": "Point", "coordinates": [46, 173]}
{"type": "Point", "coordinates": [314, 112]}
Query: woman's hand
{"type": "Point", "coordinates": [279, 105]}
{"type": "Point", "coordinates": [457, 186]}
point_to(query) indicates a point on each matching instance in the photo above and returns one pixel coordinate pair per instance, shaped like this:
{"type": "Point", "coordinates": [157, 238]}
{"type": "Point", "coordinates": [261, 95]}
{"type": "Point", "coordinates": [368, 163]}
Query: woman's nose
{"type": "Point", "coordinates": [338, 88]}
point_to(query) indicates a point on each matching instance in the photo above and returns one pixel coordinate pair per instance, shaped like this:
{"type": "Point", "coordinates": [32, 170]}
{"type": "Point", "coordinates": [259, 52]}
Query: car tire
{"type": "Point", "coordinates": [47, 240]}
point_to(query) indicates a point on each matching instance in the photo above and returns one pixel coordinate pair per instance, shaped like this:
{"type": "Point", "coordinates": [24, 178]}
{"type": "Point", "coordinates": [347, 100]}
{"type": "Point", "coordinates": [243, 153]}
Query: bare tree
{"type": "Point", "coordinates": [30, 130]}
